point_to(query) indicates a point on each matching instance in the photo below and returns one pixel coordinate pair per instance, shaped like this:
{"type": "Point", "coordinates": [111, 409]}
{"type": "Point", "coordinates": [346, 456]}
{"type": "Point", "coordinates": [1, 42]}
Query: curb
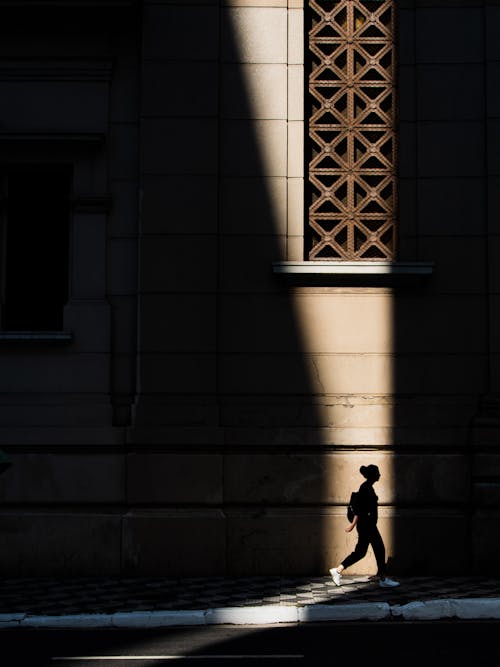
{"type": "Point", "coordinates": [429, 610]}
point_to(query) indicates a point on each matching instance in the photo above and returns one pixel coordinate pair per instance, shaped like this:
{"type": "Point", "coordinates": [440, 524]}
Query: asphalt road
{"type": "Point", "coordinates": [369, 644]}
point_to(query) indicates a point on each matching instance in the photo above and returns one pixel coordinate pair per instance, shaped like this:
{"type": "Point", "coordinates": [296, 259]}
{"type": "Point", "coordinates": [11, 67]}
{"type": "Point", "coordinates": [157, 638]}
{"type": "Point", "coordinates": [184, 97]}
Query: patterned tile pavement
{"type": "Point", "coordinates": [55, 596]}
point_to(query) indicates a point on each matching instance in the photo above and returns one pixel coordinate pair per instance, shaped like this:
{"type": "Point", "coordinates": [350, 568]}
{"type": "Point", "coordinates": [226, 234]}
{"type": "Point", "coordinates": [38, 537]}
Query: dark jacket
{"type": "Point", "coordinates": [366, 506]}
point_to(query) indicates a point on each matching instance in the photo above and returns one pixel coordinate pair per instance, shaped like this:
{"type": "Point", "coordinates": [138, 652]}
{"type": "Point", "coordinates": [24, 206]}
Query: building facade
{"type": "Point", "coordinates": [247, 247]}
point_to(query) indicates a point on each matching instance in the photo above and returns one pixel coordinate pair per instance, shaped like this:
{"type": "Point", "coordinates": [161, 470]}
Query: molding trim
{"type": "Point", "coordinates": [36, 336]}
{"type": "Point", "coordinates": [94, 139]}
{"type": "Point", "coordinates": [67, 4]}
{"type": "Point", "coordinates": [55, 70]}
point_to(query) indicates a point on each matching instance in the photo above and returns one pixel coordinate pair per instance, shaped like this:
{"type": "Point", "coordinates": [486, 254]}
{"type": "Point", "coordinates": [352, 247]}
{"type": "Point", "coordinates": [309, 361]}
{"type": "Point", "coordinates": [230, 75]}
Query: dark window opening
{"type": "Point", "coordinates": [36, 248]}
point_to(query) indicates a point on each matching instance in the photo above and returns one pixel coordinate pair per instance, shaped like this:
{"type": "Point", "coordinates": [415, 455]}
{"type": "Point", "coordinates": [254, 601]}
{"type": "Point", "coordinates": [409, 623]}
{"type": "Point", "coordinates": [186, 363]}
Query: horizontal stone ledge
{"type": "Point", "coordinates": [66, 4]}
{"type": "Point", "coordinates": [353, 268]}
{"type": "Point", "coordinates": [94, 139]}
{"type": "Point", "coordinates": [36, 336]}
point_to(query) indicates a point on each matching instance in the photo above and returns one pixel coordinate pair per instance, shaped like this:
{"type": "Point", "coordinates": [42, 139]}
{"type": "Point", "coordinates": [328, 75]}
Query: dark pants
{"type": "Point", "coordinates": [368, 534]}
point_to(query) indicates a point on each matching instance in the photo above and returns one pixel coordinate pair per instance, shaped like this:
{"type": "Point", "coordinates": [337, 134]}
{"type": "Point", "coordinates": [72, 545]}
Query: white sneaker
{"type": "Point", "coordinates": [336, 576]}
{"type": "Point", "coordinates": [387, 583]}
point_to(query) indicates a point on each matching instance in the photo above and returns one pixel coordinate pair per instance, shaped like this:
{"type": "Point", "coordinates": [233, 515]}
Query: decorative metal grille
{"type": "Point", "coordinates": [352, 151]}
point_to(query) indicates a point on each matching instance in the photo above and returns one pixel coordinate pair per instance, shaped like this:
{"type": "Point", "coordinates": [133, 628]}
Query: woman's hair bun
{"type": "Point", "coordinates": [370, 472]}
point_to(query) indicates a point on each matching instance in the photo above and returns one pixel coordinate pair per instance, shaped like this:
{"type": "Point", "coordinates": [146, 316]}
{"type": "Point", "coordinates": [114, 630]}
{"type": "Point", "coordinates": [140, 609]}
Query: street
{"type": "Point", "coordinates": [354, 644]}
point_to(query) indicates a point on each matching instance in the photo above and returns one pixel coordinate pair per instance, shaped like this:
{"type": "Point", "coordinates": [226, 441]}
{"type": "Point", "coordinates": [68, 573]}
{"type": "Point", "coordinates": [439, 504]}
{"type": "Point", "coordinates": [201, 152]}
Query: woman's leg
{"type": "Point", "coordinates": [359, 551]}
{"type": "Point", "coordinates": [379, 551]}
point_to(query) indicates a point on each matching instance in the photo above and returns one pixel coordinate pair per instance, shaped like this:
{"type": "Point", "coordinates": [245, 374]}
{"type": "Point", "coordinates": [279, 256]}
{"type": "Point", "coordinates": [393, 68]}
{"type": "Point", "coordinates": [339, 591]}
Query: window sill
{"type": "Point", "coordinates": [36, 336]}
{"type": "Point", "coordinates": [355, 272]}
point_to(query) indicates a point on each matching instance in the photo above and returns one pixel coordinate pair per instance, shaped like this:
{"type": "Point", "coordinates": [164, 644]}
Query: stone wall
{"type": "Point", "coordinates": [210, 416]}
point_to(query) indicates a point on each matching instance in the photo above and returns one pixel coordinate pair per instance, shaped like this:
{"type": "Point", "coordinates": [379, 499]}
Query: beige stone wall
{"type": "Point", "coordinates": [210, 417]}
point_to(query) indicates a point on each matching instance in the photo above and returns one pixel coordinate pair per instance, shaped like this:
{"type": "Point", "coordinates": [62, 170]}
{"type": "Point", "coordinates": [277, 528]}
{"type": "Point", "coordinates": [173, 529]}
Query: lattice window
{"type": "Point", "coordinates": [352, 151]}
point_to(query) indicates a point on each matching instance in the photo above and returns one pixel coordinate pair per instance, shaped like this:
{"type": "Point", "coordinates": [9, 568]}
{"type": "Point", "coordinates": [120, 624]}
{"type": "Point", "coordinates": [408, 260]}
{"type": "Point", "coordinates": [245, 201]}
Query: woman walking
{"type": "Point", "coordinates": [365, 520]}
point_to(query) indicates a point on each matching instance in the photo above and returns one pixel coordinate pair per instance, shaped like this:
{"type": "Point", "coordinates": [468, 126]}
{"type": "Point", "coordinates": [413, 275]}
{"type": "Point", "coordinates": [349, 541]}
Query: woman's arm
{"type": "Point", "coordinates": [351, 525]}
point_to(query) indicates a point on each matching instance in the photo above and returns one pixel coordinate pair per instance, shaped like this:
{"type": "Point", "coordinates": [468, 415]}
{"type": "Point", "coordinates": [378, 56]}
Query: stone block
{"type": "Point", "coordinates": [253, 205]}
{"type": "Point", "coordinates": [254, 91]}
{"type": "Point", "coordinates": [287, 542]}
{"type": "Point", "coordinates": [57, 479]}
{"type": "Point", "coordinates": [55, 372]}
{"type": "Point", "coordinates": [406, 41]}
{"type": "Point", "coordinates": [190, 90]}
{"type": "Point", "coordinates": [178, 264]}
{"type": "Point", "coordinates": [254, 148]}
{"type": "Point", "coordinates": [461, 42]}
{"type": "Point", "coordinates": [241, 324]}
{"type": "Point", "coordinates": [181, 32]}
{"type": "Point", "coordinates": [493, 139]}
{"type": "Point", "coordinates": [440, 92]}
{"type": "Point", "coordinates": [44, 544]}
{"type": "Point", "coordinates": [295, 158]}
{"type": "Point", "coordinates": [154, 478]}
{"type": "Point", "coordinates": [124, 95]}
{"type": "Point", "coordinates": [124, 325]}
{"type": "Point", "coordinates": [89, 322]}
{"type": "Point", "coordinates": [194, 316]}
{"type": "Point", "coordinates": [407, 203]}
{"type": "Point", "coordinates": [441, 155]}
{"type": "Point", "coordinates": [179, 204]}
{"type": "Point", "coordinates": [451, 206]}
{"type": "Point", "coordinates": [247, 267]}
{"type": "Point", "coordinates": [296, 207]}
{"type": "Point", "coordinates": [494, 323]}
{"type": "Point", "coordinates": [451, 254]}
{"type": "Point", "coordinates": [124, 214]}
{"type": "Point", "coordinates": [54, 411]}
{"type": "Point", "coordinates": [423, 324]}
{"type": "Point", "coordinates": [254, 35]}
{"type": "Point", "coordinates": [88, 280]}
{"type": "Point", "coordinates": [492, 25]}
{"type": "Point", "coordinates": [185, 411]}
{"type": "Point", "coordinates": [176, 373]}
{"type": "Point", "coordinates": [456, 373]}
{"type": "Point", "coordinates": [486, 494]}
{"type": "Point", "coordinates": [296, 92]}
{"type": "Point", "coordinates": [295, 248]}
{"type": "Point", "coordinates": [122, 267]}
{"type": "Point", "coordinates": [495, 378]}
{"type": "Point", "coordinates": [407, 93]}
{"type": "Point", "coordinates": [123, 151]}
{"type": "Point", "coordinates": [407, 150]}
{"type": "Point", "coordinates": [179, 146]}
{"type": "Point", "coordinates": [175, 544]}
{"type": "Point", "coordinates": [331, 322]}
{"type": "Point", "coordinates": [484, 541]}
{"type": "Point", "coordinates": [411, 536]}
{"type": "Point", "coordinates": [295, 35]}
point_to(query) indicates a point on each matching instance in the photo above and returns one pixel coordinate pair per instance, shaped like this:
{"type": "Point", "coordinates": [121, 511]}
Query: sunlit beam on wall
{"type": "Point", "coordinates": [346, 333]}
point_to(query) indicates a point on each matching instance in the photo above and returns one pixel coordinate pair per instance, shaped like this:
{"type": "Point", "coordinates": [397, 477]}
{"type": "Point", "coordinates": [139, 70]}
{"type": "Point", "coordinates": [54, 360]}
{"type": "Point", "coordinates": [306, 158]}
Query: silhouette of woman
{"type": "Point", "coordinates": [365, 520]}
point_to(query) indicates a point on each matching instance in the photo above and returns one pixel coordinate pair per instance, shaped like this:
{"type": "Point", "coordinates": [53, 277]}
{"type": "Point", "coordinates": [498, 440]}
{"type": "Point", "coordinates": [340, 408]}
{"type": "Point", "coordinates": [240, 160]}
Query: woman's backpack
{"type": "Point", "coordinates": [352, 506]}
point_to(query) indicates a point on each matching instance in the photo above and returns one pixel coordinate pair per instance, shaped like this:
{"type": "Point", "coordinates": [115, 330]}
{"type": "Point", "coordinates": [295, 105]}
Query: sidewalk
{"type": "Point", "coordinates": [158, 602]}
